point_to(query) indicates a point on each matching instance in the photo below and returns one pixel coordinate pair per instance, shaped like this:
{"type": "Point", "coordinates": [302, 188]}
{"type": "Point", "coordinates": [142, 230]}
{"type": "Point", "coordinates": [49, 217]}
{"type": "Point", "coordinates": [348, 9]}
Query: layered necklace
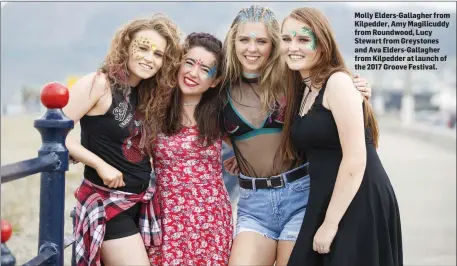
{"type": "Point", "coordinates": [306, 84]}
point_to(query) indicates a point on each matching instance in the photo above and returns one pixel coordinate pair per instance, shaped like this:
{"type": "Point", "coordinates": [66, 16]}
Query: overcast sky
{"type": "Point", "coordinates": [442, 6]}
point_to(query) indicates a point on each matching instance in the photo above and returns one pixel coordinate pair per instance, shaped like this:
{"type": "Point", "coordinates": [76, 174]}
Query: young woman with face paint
{"type": "Point", "coordinates": [195, 206]}
{"type": "Point", "coordinates": [115, 215]}
{"type": "Point", "coordinates": [352, 216]}
{"type": "Point", "coordinates": [273, 187]}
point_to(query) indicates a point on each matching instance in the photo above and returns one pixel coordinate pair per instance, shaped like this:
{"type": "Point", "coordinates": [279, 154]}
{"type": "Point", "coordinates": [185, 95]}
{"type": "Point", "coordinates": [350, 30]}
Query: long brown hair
{"type": "Point", "coordinates": [330, 61]}
{"type": "Point", "coordinates": [208, 111]}
{"type": "Point", "coordinates": [154, 93]}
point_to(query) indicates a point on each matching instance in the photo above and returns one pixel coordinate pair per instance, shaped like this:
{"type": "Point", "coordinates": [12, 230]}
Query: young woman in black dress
{"type": "Point", "coordinates": [352, 217]}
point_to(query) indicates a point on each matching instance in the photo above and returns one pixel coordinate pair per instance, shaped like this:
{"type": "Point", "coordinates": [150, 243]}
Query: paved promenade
{"type": "Point", "coordinates": [424, 177]}
{"type": "Point", "coordinates": [423, 173]}
{"type": "Point", "coordinates": [422, 168]}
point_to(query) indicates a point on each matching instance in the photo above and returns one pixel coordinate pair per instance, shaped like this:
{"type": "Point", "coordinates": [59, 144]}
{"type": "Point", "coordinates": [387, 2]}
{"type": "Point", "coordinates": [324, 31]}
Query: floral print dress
{"type": "Point", "coordinates": [195, 206]}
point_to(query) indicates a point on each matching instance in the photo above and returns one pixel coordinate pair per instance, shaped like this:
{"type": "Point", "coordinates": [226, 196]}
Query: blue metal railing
{"type": "Point", "coordinates": [52, 162]}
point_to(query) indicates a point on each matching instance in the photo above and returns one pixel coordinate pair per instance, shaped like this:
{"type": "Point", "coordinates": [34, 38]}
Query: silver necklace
{"type": "Point", "coordinates": [190, 104]}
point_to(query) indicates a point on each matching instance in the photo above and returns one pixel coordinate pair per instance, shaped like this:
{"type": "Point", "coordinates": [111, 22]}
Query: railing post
{"type": "Point", "coordinates": [7, 258]}
{"type": "Point", "coordinates": [53, 127]}
{"type": "Point", "coordinates": [73, 246]}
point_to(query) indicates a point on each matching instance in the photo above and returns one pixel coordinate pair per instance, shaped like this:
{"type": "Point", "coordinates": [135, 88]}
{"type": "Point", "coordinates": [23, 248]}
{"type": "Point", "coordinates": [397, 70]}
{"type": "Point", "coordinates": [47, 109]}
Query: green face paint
{"type": "Point", "coordinates": [294, 33]}
{"type": "Point", "coordinates": [309, 33]}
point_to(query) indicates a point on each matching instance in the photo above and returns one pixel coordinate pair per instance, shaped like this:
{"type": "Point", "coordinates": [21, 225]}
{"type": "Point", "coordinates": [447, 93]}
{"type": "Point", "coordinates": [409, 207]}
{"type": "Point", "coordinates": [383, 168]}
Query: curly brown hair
{"type": "Point", "coordinates": [154, 92]}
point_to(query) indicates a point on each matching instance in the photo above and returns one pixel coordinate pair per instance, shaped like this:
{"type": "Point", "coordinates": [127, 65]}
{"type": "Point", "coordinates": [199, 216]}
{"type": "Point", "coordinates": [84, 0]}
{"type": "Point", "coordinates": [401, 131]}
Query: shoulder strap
{"type": "Point", "coordinates": [320, 96]}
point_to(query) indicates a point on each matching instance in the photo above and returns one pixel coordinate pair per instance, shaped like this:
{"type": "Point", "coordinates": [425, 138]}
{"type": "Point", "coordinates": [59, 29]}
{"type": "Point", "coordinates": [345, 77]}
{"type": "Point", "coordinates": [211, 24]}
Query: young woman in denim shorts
{"type": "Point", "coordinates": [274, 187]}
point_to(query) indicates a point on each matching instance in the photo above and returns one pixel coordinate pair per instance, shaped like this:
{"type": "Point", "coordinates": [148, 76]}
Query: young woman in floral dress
{"type": "Point", "coordinates": [196, 211]}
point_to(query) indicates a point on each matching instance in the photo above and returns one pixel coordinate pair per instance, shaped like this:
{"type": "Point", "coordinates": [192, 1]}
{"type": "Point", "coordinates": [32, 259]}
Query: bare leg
{"type": "Point", "coordinates": [251, 248]}
{"type": "Point", "coordinates": [284, 251]}
{"type": "Point", "coordinates": [128, 250]}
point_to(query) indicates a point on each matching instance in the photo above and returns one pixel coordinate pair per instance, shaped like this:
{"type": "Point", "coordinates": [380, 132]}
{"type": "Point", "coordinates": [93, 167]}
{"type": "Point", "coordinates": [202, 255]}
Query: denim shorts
{"type": "Point", "coordinates": [276, 213]}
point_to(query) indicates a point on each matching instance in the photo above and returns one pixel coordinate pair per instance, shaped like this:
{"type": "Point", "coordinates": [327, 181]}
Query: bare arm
{"type": "Point", "coordinates": [82, 100]}
{"type": "Point", "coordinates": [227, 141]}
{"type": "Point", "coordinates": [346, 106]}
{"type": "Point", "coordinates": [84, 96]}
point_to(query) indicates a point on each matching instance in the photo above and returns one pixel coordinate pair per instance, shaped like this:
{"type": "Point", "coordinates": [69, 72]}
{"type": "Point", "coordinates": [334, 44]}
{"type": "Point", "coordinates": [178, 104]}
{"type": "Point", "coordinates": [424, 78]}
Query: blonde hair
{"type": "Point", "coordinates": [271, 73]}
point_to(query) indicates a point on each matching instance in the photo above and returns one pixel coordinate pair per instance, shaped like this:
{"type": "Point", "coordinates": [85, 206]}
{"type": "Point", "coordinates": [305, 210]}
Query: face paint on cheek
{"type": "Point", "coordinates": [309, 33]}
{"type": "Point", "coordinates": [187, 65]}
{"type": "Point", "coordinates": [136, 52]}
{"type": "Point", "coordinates": [148, 43]}
{"type": "Point", "coordinates": [212, 72]}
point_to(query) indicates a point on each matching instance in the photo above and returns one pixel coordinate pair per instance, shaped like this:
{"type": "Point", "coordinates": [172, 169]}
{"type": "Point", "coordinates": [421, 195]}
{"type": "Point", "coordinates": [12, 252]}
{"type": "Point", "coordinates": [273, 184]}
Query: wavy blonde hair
{"type": "Point", "coordinates": [271, 73]}
{"type": "Point", "coordinates": [154, 92]}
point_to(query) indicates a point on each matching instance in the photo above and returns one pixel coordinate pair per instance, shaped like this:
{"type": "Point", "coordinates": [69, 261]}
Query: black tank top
{"type": "Point", "coordinates": [115, 137]}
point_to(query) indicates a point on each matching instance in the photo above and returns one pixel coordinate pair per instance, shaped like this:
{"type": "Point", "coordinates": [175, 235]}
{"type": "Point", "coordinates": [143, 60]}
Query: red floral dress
{"type": "Point", "coordinates": [196, 212]}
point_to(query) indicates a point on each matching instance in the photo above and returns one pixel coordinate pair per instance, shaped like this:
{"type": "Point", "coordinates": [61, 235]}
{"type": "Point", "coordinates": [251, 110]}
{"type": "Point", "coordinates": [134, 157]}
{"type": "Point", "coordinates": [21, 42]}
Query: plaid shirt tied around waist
{"type": "Point", "coordinates": [96, 205]}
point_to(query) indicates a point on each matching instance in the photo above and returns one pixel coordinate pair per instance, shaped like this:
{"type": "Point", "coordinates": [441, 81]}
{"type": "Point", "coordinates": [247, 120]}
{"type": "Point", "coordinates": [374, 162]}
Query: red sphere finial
{"type": "Point", "coordinates": [54, 95]}
{"type": "Point", "coordinates": [6, 231]}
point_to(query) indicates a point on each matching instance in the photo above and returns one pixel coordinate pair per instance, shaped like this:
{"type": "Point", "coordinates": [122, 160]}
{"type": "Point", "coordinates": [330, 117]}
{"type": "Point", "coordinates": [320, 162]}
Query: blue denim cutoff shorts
{"type": "Point", "coordinates": [276, 213]}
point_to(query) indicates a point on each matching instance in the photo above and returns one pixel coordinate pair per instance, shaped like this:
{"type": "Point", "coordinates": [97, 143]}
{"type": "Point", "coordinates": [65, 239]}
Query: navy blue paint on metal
{"type": "Point", "coordinates": [53, 127]}
{"type": "Point", "coordinates": [18, 170]}
{"type": "Point", "coordinates": [46, 256]}
{"type": "Point", "coordinates": [73, 251]}
{"type": "Point", "coordinates": [7, 258]}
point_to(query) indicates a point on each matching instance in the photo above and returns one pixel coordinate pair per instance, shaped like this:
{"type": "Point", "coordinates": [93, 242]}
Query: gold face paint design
{"type": "Point", "coordinates": [141, 45]}
{"type": "Point", "coordinates": [310, 34]}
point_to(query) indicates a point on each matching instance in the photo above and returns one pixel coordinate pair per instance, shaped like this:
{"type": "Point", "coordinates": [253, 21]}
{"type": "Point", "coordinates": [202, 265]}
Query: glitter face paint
{"type": "Point", "coordinates": [204, 72]}
{"type": "Point", "coordinates": [197, 72]}
{"type": "Point", "coordinates": [140, 46]}
{"type": "Point", "coordinates": [310, 34]}
{"type": "Point", "coordinates": [145, 55]}
{"type": "Point", "coordinates": [212, 72]}
{"type": "Point", "coordinates": [256, 14]}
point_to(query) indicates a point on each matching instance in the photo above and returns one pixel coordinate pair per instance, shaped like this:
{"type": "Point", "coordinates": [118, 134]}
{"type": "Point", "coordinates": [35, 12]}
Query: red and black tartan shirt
{"type": "Point", "coordinates": [96, 205]}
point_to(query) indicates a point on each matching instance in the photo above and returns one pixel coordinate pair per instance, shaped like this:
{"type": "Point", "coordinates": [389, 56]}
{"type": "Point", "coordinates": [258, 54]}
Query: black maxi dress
{"type": "Point", "coordinates": [369, 234]}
